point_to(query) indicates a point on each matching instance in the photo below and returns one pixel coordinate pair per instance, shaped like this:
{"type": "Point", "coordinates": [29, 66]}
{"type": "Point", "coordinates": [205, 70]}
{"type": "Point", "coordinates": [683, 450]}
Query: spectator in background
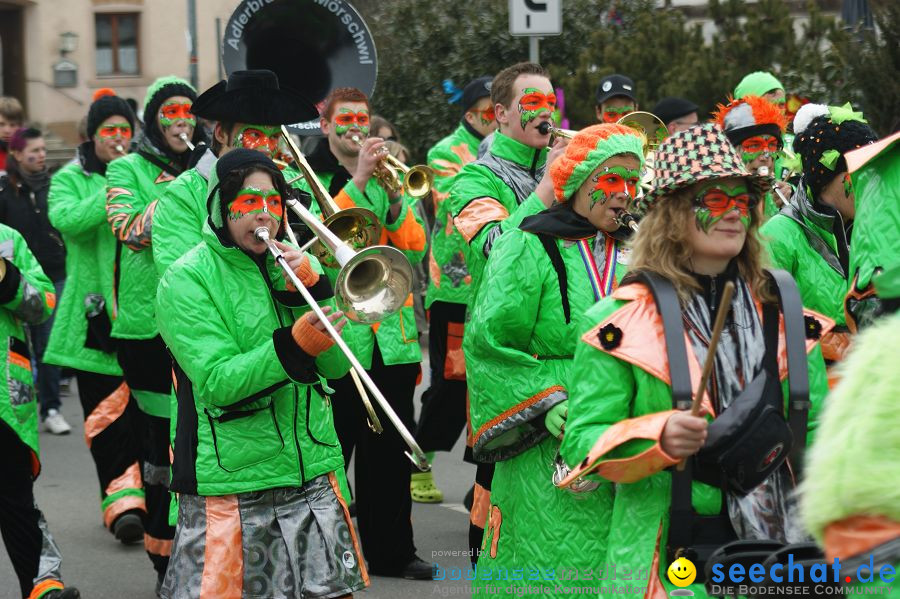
{"type": "Point", "coordinates": [615, 98]}
{"type": "Point", "coordinates": [761, 83]}
{"type": "Point", "coordinates": [383, 128]}
{"type": "Point", "coordinates": [677, 113]}
{"type": "Point", "coordinates": [11, 117]}
{"type": "Point", "coordinates": [23, 206]}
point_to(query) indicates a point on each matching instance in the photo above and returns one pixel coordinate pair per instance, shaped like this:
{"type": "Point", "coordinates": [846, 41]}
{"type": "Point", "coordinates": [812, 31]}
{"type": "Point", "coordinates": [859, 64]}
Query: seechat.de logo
{"type": "Point", "coordinates": [682, 573]}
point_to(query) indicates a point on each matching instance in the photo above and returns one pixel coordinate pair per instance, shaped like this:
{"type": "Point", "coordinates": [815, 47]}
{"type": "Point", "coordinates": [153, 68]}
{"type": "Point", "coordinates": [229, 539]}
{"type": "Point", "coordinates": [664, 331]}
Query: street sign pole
{"type": "Point", "coordinates": [535, 19]}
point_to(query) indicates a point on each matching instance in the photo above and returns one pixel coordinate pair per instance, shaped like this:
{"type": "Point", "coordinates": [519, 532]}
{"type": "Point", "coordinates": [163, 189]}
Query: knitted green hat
{"type": "Point", "coordinates": [179, 86]}
{"type": "Point", "coordinates": [590, 148]}
{"type": "Point", "coordinates": [758, 83]}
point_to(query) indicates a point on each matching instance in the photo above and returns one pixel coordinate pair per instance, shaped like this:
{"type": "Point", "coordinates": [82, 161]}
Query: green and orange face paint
{"type": "Point", "coordinates": [263, 138]}
{"type": "Point", "coordinates": [612, 114]}
{"type": "Point", "coordinates": [533, 102]}
{"type": "Point", "coordinates": [345, 119]}
{"type": "Point", "coordinates": [848, 186]}
{"type": "Point", "coordinates": [485, 115]}
{"type": "Point", "coordinates": [758, 145]}
{"type": "Point", "coordinates": [717, 199]}
{"type": "Point", "coordinates": [614, 180]}
{"type": "Point", "coordinates": [115, 131]}
{"type": "Point", "coordinates": [251, 201]}
{"type": "Point", "coordinates": [173, 112]}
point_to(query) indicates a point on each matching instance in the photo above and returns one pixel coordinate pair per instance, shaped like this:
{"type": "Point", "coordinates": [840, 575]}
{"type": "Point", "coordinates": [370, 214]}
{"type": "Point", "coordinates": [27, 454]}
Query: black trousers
{"type": "Point", "coordinates": [115, 445]}
{"type": "Point", "coordinates": [19, 516]}
{"type": "Point", "coordinates": [381, 485]}
{"type": "Point", "coordinates": [147, 366]}
{"type": "Point", "coordinates": [443, 415]}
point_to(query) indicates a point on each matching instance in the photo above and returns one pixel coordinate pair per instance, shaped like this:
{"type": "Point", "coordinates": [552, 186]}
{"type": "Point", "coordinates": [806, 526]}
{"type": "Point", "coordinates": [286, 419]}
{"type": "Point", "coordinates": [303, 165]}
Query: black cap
{"type": "Point", "coordinates": [253, 96]}
{"type": "Point", "coordinates": [615, 85]}
{"type": "Point", "coordinates": [672, 109]}
{"type": "Point", "coordinates": [475, 90]}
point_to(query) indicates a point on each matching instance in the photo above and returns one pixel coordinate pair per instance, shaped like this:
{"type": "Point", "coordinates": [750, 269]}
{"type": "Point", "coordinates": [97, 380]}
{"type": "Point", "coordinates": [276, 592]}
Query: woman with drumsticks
{"type": "Point", "coordinates": [261, 512]}
{"type": "Point", "coordinates": [638, 366]}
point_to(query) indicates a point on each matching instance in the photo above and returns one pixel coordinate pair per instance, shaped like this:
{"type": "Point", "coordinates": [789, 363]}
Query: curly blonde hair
{"type": "Point", "coordinates": [663, 246]}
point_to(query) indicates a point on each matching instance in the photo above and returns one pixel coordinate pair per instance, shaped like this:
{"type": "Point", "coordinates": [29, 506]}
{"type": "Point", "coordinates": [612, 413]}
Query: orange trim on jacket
{"type": "Point", "coordinates": [516, 409]}
{"type": "Point", "coordinates": [477, 214]}
{"type": "Point", "coordinates": [627, 470]}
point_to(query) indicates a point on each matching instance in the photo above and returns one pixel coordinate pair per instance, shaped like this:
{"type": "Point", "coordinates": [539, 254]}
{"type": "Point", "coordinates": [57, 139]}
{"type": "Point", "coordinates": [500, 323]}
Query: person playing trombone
{"type": "Point", "coordinates": [255, 450]}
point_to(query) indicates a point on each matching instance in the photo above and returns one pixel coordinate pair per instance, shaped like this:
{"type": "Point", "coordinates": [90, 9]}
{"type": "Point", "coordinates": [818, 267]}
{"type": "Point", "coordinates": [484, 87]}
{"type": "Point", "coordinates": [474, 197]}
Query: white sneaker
{"type": "Point", "coordinates": [56, 424]}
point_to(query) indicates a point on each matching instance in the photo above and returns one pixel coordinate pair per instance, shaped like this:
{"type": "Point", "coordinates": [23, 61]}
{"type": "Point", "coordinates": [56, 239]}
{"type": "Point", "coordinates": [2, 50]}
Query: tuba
{"type": "Point", "coordinates": [313, 47]}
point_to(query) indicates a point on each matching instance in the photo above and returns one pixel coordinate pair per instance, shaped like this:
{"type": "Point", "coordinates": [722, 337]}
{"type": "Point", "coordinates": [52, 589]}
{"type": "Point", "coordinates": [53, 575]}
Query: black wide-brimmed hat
{"type": "Point", "coordinates": [253, 97]}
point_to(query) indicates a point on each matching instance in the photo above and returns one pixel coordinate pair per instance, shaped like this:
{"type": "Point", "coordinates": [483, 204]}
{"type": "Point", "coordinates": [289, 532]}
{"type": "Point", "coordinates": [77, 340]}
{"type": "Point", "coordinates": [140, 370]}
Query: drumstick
{"type": "Point", "coordinates": [711, 352]}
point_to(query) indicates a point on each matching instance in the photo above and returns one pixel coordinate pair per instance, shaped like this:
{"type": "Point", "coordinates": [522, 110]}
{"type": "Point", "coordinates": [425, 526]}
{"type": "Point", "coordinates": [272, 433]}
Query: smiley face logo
{"type": "Point", "coordinates": [682, 572]}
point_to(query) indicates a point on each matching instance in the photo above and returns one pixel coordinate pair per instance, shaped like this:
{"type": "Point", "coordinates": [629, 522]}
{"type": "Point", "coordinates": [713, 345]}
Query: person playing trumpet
{"type": "Point", "coordinates": [389, 349]}
{"type": "Point", "coordinates": [524, 330]}
{"type": "Point", "coordinates": [80, 336]}
{"type": "Point", "coordinates": [255, 448]}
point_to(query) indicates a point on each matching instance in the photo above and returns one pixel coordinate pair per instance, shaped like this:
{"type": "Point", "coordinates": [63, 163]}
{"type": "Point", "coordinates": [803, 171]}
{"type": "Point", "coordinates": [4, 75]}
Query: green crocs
{"type": "Point", "coordinates": [422, 489]}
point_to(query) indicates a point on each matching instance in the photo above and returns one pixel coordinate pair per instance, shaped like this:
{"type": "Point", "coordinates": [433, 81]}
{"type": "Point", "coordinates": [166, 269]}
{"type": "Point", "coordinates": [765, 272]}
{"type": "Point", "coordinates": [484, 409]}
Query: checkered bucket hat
{"type": "Point", "coordinates": [698, 154]}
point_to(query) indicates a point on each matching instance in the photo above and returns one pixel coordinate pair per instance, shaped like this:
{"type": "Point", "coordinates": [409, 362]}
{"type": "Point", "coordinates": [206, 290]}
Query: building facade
{"type": "Point", "coordinates": [56, 53]}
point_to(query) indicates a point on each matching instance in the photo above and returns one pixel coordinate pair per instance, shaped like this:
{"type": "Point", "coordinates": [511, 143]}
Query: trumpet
{"type": "Point", "coordinates": [415, 181]}
{"type": "Point", "coordinates": [546, 128]}
{"type": "Point", "coordinates": [366, 278]}
{"type": "Point", "coordinates": [187, 140]}
{"type": "Point", "coordinates": [120, 149]}
{"type": "Point", "coordinates": [763, 171]}
{"type": "Point", "coordinates": [356, 226]}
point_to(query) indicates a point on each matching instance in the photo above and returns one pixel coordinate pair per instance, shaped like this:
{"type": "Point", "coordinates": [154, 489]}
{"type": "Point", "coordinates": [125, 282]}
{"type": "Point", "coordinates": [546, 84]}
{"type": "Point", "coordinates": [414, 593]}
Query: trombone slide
{"type": "Point", "coordinates": [417, 456]}
{"type": "Point", "coordinates": [186, 140]}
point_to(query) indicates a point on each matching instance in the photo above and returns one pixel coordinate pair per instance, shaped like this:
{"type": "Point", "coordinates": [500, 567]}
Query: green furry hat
{"type": "Point", "coordinates": [853, 467]}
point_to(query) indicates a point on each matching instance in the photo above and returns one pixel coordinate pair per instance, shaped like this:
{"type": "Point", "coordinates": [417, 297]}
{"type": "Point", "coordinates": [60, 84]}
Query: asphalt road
{"type": "Point", "coordinates": [68, 493]}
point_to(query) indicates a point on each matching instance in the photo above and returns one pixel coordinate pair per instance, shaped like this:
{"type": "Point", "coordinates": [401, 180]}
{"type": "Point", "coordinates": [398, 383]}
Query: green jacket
{"type": "Point", "coordinates": [26, 297]}
{"type": "Point", "coordinates": [77, 209]}
{"type": "Point", "coordinates": [397, 335]}
{"type": "Point", "coordinates": [134, 186]}
{"type": "Point", "coordinates": [449, 278]}
{"type": "Point", "coordinates": [253, 410]}
{"type": "Point", "coordinates": [520, 348]}
{"type": "Point", "coordinates": [180, 214]}
{"type": "Point", "coordinates": [802, 241]}
{"type": "Point", "coordinates": [619, 402]}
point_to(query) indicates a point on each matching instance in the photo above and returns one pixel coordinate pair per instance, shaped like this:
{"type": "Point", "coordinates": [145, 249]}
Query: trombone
{"type": "Point", "coordinates": [357, 226]}
{"type": "Point", "coordinates": [377, 276]}
{"type": "Point", "coordinates": [415, 181]}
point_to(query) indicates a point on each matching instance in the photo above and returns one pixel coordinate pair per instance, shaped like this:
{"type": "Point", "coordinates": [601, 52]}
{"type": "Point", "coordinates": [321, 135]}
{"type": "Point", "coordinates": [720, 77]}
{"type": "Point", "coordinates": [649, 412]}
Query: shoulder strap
{"type": "Point", "coordinates": [798, 367]}
{"type": "Point", "coordinates": [559, 266]}
{"type": "Point", "coordinates": [172, 170]}
{"type": "Point", "coordinates": [670, 310]}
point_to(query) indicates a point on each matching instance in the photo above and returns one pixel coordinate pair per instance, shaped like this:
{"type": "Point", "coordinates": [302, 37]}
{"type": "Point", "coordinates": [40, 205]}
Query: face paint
{"type": "Point", "coordinates": [613, 180]}
{"type": "Point", "coordinates": [264, 138]}
{"type": "Point", "coordinates": [614, 113]}
{"type": "Point", "coordinates": [346, 118]}
{"type": "Point", "coordinates": [486, 115]}
{"type": "Point", "coordinates": [717, 200]}
{"type": "Point", "coordinates": [172, 112]}
{"type": "Point", "coordinates": [114, 130]}
{"type": "Point", "coordinates": [533, 102]}
{"type": "Point", "coordinates": [848, 186]}
{"type": "Point", "coordinates": [754, 147]}
{"type": "Point", "coordinates": [251, 200]}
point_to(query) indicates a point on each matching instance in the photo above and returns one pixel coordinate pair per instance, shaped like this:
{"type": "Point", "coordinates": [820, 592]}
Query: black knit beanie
{"type": "Point", "coordinates": [106, 107]}
{"type": "Point", "coordinates": [160, 91]}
